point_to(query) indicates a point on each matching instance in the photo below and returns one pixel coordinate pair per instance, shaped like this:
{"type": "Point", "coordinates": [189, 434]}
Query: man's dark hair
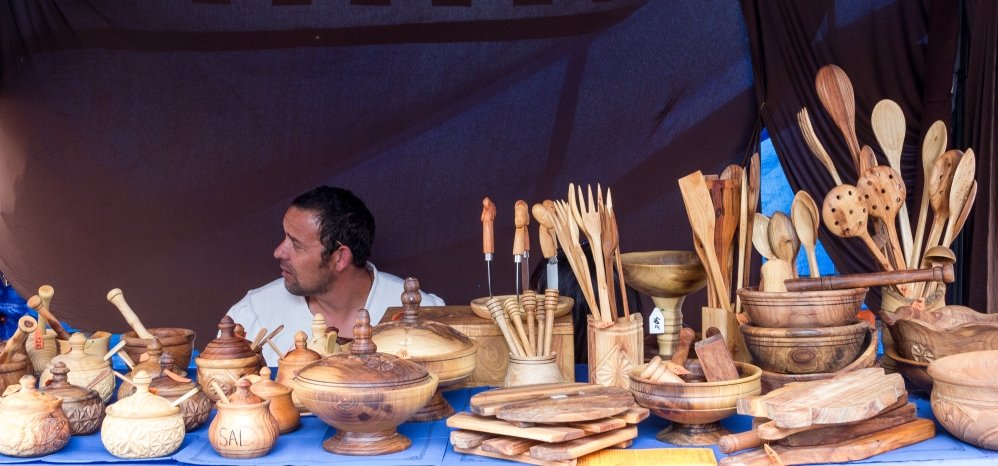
{"type": "Point", "coordinates": [342, 217]}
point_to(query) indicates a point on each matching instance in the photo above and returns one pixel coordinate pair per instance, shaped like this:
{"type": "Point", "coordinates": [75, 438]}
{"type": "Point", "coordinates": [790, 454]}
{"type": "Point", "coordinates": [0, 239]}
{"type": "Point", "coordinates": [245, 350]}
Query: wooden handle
{"type": "Point", "coordinates": [259, 339]}
{"type": "Point", "coordinates": [38, 304]}
{"type": "Point", "coordinates": [943, 274]}
{"type": "Point", "coordinates": [499, 317]}
{"type": "Point", "coordinates": [549, 205]}
{"type": "Point", "coordinates": [520, 219]}
{"type": "Point", "coordinates": [515, 313]}
{"type": "Point", "coordinates": [541, 315]}
{"type": "Point", "coordinates": [488, 232]}
{"type": "Point", "coordinates": [529, 302]}
{"type": "Point", "coordinates": [551, 303]}
{"type": "Point", "coordinates": [731, 443]}
{"type": "Point", "coordinates": [25, 326]}
{"type": "Point", "coordinates": [545, 234]}
{"type": "Point", "coordinates": [117, 298]}
{"type": "Point", "coordinates": [686, 335]}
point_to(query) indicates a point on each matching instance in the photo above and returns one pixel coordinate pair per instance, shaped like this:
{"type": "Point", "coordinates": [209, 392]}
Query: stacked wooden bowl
{"type": "Point", "coordinates": [799, 336]}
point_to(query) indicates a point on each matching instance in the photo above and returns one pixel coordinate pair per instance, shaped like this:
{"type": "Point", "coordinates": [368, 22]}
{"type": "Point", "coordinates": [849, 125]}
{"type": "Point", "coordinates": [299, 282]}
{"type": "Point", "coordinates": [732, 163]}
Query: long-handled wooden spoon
{"type": "Point", "coordinates": [811, 139]}
{"type": "Point", "coordinates": [889, 128]}
{"type": "Point", "coordinates": [804, 214]}
{"type": "Point", "coordinates": [962, 217]}
{"type": "Point", "coordinates": [845, 215]}
{"type": "Point", "coordinates": [783, 240]}
{"type": "Point", "coordinates": [836, 95]}
{"type": "Point", "coordinates": [943, 174]}
{"type": "Point", "coordinates": [932, 148]}
{"type": "Point", "coordinates": [884, 192]}
{"type": "Point", "coordinates": [963, 181]}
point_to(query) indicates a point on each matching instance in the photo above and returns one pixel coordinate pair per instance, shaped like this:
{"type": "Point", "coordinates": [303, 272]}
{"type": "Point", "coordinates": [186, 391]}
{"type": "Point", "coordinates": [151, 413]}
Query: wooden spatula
{"type": "Point", "coordinates": [700, 211]}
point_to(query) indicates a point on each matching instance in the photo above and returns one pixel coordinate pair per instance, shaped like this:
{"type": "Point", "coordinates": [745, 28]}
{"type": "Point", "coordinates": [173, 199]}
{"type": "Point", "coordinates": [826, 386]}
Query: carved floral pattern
{"type": "Point", "coordinates": [922, 353]}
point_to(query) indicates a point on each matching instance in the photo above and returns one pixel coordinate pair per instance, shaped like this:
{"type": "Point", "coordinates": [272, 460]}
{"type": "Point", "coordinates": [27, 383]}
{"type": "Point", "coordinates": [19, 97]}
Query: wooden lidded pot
{"type": "Point", "coordinates": [196, 408]}
{"type": "Point", "coordinates": [440, 349]}
{"type": "Point", "coordinates": [83, 406]}
{"type": "Point", "coordinates": [225, 360]}
{"type": "Point", "coordinates": [281, 406]}
{"type": "Point", "coordinates": [150, 364]}
{"type": "Point", "coordinates": [294, 361]}
{"type": "Point", "coordinates": [243, 426]}
{"type": "Point", "coordinates": [364, 394]}
{"type": "Point", "coordinates": [85, 369]}
{"type": "Point", "coordinates": [32, 423]}
{"type": "Point", "coordinates": [144, 425]}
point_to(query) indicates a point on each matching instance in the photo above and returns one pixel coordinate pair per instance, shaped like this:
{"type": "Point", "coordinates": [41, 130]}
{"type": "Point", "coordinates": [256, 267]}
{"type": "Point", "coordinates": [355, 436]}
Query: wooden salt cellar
{"type": "Point", "coordinates": [322, 341]}
{"type": "Point", "coordinates": [243, 427]}
{"type": "Point", "coordinates": [281, 405]}
{"type": "Point", "coordinates": [32, 423]}
{"type": "Point", "coordinates": [150, 364]}
{"type": "Point", "coordinates": [365, 395]}
{"type": "Point", "coordinates": [436, 347]}
{"type": "Point", "coordinates": [86, 370]}
{"type": "Point", "coordinates": [144, 425]}
{"type": "Point", "coordinates": [83, 406]}
{"type": "Point", "coordinates": [196, 408]}
{"type": "Point", "coordinates": [14, 362]}
{"type": "Point", "coordinates": [225, 360]}
{"type": "Point", "coordinates": [292, 362]}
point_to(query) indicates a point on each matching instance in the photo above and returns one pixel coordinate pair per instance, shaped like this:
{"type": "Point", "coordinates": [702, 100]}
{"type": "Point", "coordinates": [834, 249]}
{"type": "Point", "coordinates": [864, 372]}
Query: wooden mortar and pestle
{"type": "Point", "coordinates": [178, 341]}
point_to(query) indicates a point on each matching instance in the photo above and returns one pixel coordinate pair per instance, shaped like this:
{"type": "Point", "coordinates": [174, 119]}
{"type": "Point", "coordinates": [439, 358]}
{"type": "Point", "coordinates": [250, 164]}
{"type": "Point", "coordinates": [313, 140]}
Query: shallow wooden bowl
{"type": "Point", "coordinates": [565, 304]}
{"type": "Point", "coordinates": [804, 350]}
{"type": "Point", "coordinates": [915, 373]}
{"type": "Point", "coordinates": [178, 341]}
{"type": "Point", "coordinates": [965, 396]}
{"type": "Point", "coordinates": [868, 358]}
{"type": "Point", "coordinates": [927, 335]}
{"type": "Point", "coordinates": [802, 309]}
{"type": "Point", "coordinates": [98, 343]}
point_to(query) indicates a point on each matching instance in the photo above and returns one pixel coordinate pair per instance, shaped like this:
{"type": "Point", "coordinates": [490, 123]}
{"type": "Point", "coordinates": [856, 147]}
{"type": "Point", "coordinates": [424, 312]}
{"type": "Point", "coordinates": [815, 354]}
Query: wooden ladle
{"type": "Point", "coordinates": [783, 240]}
{"type": "Point", "coordinates": [805, 217]}
{"type": "Point", "coordinates": [932, 148]}
{"type": "Point", "coordinates": [883, 193]}
{"type": "Point", "coordinates": [845, 215]}
{"type": "Point", "coordinates": [943, 172]}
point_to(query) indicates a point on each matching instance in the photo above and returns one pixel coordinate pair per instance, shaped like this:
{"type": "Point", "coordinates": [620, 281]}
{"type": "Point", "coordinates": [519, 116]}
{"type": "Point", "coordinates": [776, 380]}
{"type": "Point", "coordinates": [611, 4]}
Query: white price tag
{"type": "Point", "coordinates": [656, 322]}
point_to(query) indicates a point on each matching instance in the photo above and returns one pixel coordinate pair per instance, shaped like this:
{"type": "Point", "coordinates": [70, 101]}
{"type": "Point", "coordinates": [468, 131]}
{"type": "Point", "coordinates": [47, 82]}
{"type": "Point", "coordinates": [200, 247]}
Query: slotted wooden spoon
{"type": "Point", "coordinates": [932, 148]}
{"type": "Point", "coordinates": [804, 214]}
{"type": "Point", "coordinates": [940, 183]}
{"type": "Point", "coordinates": [963, 181]}
{"type": "Point", "coordinates": [845, 215]}
{"type": "Point", "coordinates": [889, 128]}
{"type": "Point", "coordinates": [883, 192]}
{"type": "Point", "coordinates": [836, 95]}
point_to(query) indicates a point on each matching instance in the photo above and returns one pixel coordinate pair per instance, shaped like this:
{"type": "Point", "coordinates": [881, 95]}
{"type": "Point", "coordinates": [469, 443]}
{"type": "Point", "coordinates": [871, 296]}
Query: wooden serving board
{"type": "Point", "coordinates": [575, 448]}
{"type": "Point", "coordinates": [850, 397]}
{"type": "Point", "coordinates": [769, 431]}
{"type": "Point", "coordinates": [494, 426]}
{"type": "Point", "coordinates": [522, 458]}
{"type": "Point", "coordinates": [553, 403]}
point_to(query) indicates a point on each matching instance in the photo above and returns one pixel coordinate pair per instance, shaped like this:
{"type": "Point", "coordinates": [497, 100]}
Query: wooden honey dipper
{"type": "Point", "coordinates": [515, 315]}
{"type": "Point", "coordinates": [550, 305]}
{"type": "Point", "coordinates": [499, 317]}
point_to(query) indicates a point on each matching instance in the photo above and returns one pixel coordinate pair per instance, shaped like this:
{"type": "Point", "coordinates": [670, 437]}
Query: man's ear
{"type": "Point", "coordinates": [342, 258]}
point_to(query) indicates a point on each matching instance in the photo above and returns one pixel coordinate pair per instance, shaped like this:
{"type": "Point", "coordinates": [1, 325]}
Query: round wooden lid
{"type": "Point", "coordinates": [301, 354]}
{"type": "Point", "coordinates": [78, 360]}
{"type": "Point", "coordinates": [169, 384]}
{"type": "Point", "coordinates": [242, 396]}
{"type": "Point", "coordinates": [418, 338]}
{"type": "Point", "coordinates": [267, 388]}
{"type": "Point", "coordinates": [143, 404]}
{"type": "Point", "coordinates": [228, 345]}
{"type": "Point", "coordinates": [27, 397]}
{"type": "Point", "coordinates": [59, 386]}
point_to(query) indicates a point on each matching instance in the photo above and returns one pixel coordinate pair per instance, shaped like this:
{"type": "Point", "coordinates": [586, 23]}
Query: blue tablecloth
{"type": "Point", "coordinates": [430, 445]}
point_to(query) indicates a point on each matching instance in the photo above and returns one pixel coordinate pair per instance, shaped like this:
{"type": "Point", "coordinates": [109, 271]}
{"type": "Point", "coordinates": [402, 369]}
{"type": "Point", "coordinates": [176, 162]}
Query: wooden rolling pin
{"type": "Point", "coordinates": [36, 303]}
{"type": "Point", "coordinates": [116, 297]}
{"type": "Point", "coordinates": [865, 280]}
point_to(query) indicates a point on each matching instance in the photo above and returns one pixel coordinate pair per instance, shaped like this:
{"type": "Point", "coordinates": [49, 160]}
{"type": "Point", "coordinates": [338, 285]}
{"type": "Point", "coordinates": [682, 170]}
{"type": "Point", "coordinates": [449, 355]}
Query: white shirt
{"type": "Point", "coordinates": [272, 305]}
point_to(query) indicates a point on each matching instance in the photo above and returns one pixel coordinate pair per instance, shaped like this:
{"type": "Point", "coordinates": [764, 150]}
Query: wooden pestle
{"type": "Point", "coordinates": [25, 327]}
{"type": "Point", "coordinates": [529, 302]}
{"type": "Point", "coordinates": [499, 317]}
{"type": "Point", "coordinates": [117, 298]}
{"type": "Point", "coordinates": [686, 335]}
{"type": "Point", "coordinates": [731, 443]}
{"type": "Point", "coordinates": [541, 320]}
{"type": "Point", "coordinates": [36, 303]}
{"type": "Point", "coordinates": [551, 303]}
{"type": "Point", "coordinates": [45, 292]}
{"type": "Point", "coordinates": [515, 313]}
{"type": "Point", "coordinates": [943, 274]}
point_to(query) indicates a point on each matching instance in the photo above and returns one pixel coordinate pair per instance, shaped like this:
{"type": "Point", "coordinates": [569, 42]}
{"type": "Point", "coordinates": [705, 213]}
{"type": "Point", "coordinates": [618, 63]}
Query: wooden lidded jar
{"type": "Point", "coordinates": [225, 360]}
{"type": "Point", "coordinates": [85, 369]}
{"type": "Point", "coordinates": [150, 364]}
{"type": "Point", "coordinates": [440, 349]}
{"type": "Point", "coordinates": [364, 394]}
{"type": "Point", "coordinates": [243, 427]}
{"type": "Point", "coordinates": [281, 406]}
{"type": "Point", "coordinates": [32, 423]}
{"type": "Point", "coordinates": [322, 341]}
{"type": "Point", "coordinates": [294, 361]}
{"type": "Point", "coordinates": [195, 409]}
{"type": "Point", "coordinates": [144, 425]}
{"type": "Point", "coordinates": [83, 406]}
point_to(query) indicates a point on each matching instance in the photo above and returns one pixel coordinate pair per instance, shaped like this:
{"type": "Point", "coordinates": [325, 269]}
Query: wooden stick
{"type": "Point", "coordinates": [124, 356]}
{"type": "Point", "coordinates": [218, 391]}
{"type": "Point", "coordinates": [277, 350]}
{"type": "Point", "coordinates": [499, 317]}
{"type": "Point", "coordinates": [272, 334]}
{"type": "Point", "coordinates": [117, 298]}
{"type": "Point", "coordinates": [550, 302]}
{"type": "Point", "coordinates": [259, 339]}
{"type": "Point", "coordinates": [943, 274]}
{"type": "Point", "coordinates": [36, 303]}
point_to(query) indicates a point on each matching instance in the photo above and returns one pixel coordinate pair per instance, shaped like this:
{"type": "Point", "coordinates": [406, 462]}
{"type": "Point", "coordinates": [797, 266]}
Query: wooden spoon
{"type": "Point", "coordinates": [804, 214]}
{"type": "Point", "coordinates": [836, 95]}
{"type": "Point", "coordinates": [753, 179]}
{"type": "Point", "coordinates": [783, 239]}
{"type": "Point", "coordinates": [700, 211]}
{"type": "Point", "coordinates": [889, 128]}
{"type": "Point", "coordinates": [963, 181]}
{"type": "Point", "coordinates": [760, 236]}
{"type": "Point", "coordinates": [811, 139]}
{"type": "Point", "coordinates": [884, 192]}
{"type": "Point", "coordinates": [845, 215]}
{"type": "Point", "coordinates": [932, 148]}
{"type": "Point", "coordinates": [962, 217]}
{"type": "Point", "coordinates": [940, 183]}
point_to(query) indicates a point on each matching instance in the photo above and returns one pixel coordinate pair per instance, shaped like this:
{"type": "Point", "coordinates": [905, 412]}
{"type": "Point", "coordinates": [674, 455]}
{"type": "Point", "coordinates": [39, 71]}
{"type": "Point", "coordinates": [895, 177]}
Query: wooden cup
{"type": "Point", "coordinates": [614, 350]}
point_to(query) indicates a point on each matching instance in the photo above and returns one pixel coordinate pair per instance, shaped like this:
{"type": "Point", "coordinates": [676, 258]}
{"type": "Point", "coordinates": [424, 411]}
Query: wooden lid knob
{"type": "Point", "coordinates": [488, 231]}
{"type": "Point", "coordinates": [59, 373]}
{"type": "Point", "coordinates": [77, 341]}
{"type": "Point", "coordinates": [362, 343]}
{"type": "Point", "coordinates": [227, 327]}
{"type": "Point", "coordinates": [265, 373]}
{"type": "Point", "coordinates": [166, 361]}
{"type": "Point", "coordinates": [410, 300]}
{"type": "Point", "coordinates": [300, 339]}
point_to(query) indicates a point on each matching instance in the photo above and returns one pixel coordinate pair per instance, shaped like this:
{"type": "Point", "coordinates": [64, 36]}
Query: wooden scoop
{"type": "Point", "coordinates": [836, 95]}
{"type": "Point", "coordinates": [844, 214]}
{"type": "Point", "coordinates": [117, 298]}
{"type": "Point", "coordinates": [889, 128]}
{"type": "Point", "coordinates": [963, 181]}
{"type": "Point", "coordinates": [804, 214]}
{"type": "Point", "coordinates": [884, 193]}
{"type": "Point", "coordinates": [932, 148]}
{"type": "Point", "coordinates": [943, 173]}
{"type": "Point", "coordinates": [783, 239]}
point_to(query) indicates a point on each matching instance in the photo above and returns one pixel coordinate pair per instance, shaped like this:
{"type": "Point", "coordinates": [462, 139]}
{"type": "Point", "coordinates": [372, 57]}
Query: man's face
{"type": "Point", "coordinates": [300, 255]}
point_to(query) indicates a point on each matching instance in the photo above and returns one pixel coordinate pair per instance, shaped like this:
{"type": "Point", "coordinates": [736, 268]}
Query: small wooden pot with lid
{"type": "Point", "coordinates": [144, 425]}
{"type": "Point", "coordinates": [83, 406]}
{"type": "Point", "coordinates": [292, 362]}
{"type": "Point", "coordinates": [32, 423]}
{"type": "Point", "coordinates": [281, 406]}
{"type": "Point", "coordinates": [195, 408]}
{"type": "Point", "coordinates": [85, 369]}
{"type": "Point", "coordinates": [243, 427]}
{"type": "Point", "coordinates": [225, 360]}
{"type": "Point", "coordinates": [438, 348]}
{"type": "Point", "coordinates": [364, 394]}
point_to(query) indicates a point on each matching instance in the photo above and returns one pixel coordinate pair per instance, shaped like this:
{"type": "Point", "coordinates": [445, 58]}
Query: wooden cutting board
{"type": "Point", "coordinates": [521, 458]}
{"type": "Point", "coordinates": [575, 448]}
{"type": "Point", "coordinates": [553, 403]}
{"type": "Point", "coordinates": [769, 431]}
{"type": "Point", "coordinates": [853, 396]}
{"type": "Point", "coordinates": [494, 426]}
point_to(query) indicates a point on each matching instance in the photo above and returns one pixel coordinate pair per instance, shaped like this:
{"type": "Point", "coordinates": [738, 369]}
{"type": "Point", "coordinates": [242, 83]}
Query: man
{"type": "Point", "coordinates": [328, 233]}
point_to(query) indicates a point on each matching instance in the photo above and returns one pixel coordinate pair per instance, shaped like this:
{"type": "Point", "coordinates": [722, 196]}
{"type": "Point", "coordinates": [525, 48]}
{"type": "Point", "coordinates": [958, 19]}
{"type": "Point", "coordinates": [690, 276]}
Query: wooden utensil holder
{"type": "Point", "coordinates": [614, 350]}
{"type": "Point", "coordinates": [529, 370]}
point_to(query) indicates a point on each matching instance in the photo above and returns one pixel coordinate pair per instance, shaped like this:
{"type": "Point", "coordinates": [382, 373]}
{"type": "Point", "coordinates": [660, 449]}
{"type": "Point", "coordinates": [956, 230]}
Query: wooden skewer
{"type": "Point", "coordinates": [117, 298]}
{"type": "Point", "coordinates": [218, 391]}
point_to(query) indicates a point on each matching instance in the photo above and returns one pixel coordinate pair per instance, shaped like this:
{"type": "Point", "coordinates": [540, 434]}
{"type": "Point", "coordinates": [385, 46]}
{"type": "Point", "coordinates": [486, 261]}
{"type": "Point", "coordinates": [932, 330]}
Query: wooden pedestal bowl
{"type": "Point", "coordinates": [178, 341]}
{"type": "Point", "coordinates": [965, 396]}
{"type": "Point", "coordinates": [801, 309]}
{"type": "Point", "coordinates": [478, 305]}
{"type": "Point", "coordinates": [927, 335]}
{"type": "Point", "coordinates": [868, 358]}
{"type": "Point", "coordinates": [915, 373]}
{"type": "Point", "coordinates": [804, 350]}
{"type": "Point", "coordinates": [695, 408]}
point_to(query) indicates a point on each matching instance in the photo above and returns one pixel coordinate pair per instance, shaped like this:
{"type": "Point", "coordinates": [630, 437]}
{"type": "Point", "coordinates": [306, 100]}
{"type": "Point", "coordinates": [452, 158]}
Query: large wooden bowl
{"type": "Point", "coordinates": [965, 396]}
{"type": "Point", "coordinates": [915, 373]}
{"type": "Point", "coordinates": [804, 350]}
{"type": "Point", "coordinates": [868, 358]}
{"type": "Point", "coordinates": [478, 305]}
{"type": "Point", "coordinates": [178, 341]}
{"type": "Point", "coordinates": [802, 309]}
{"type": "Point", "coordinates": [694, 407]}
{"type": "Point", "coordinates": [927, 335]}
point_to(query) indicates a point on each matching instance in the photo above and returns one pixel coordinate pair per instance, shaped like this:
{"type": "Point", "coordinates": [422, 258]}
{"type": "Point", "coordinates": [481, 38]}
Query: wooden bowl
{"type": "Point", "coordinates": [11, 372]}
{"type": "Point", "coordinates": [178, 341]}
{"type": "Point", "coordinates": [805, 350]}
{"type": "Point", "coordinates": [802, 309]}
{"type": "Point", "coordinates": [565, 304]}
{"type": "Point", "coordinates": [868, 358]}
{"type": "Point", "coordinates": [965, 396]}
{"type": "Point", "coordinates": [927, 335]}
{"type": "Point", "coordinates": [694, 407]}
{"type": "Point", "coordinates": [915, 373]}
{"type": "Point", "coordinates": [98, 343]}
